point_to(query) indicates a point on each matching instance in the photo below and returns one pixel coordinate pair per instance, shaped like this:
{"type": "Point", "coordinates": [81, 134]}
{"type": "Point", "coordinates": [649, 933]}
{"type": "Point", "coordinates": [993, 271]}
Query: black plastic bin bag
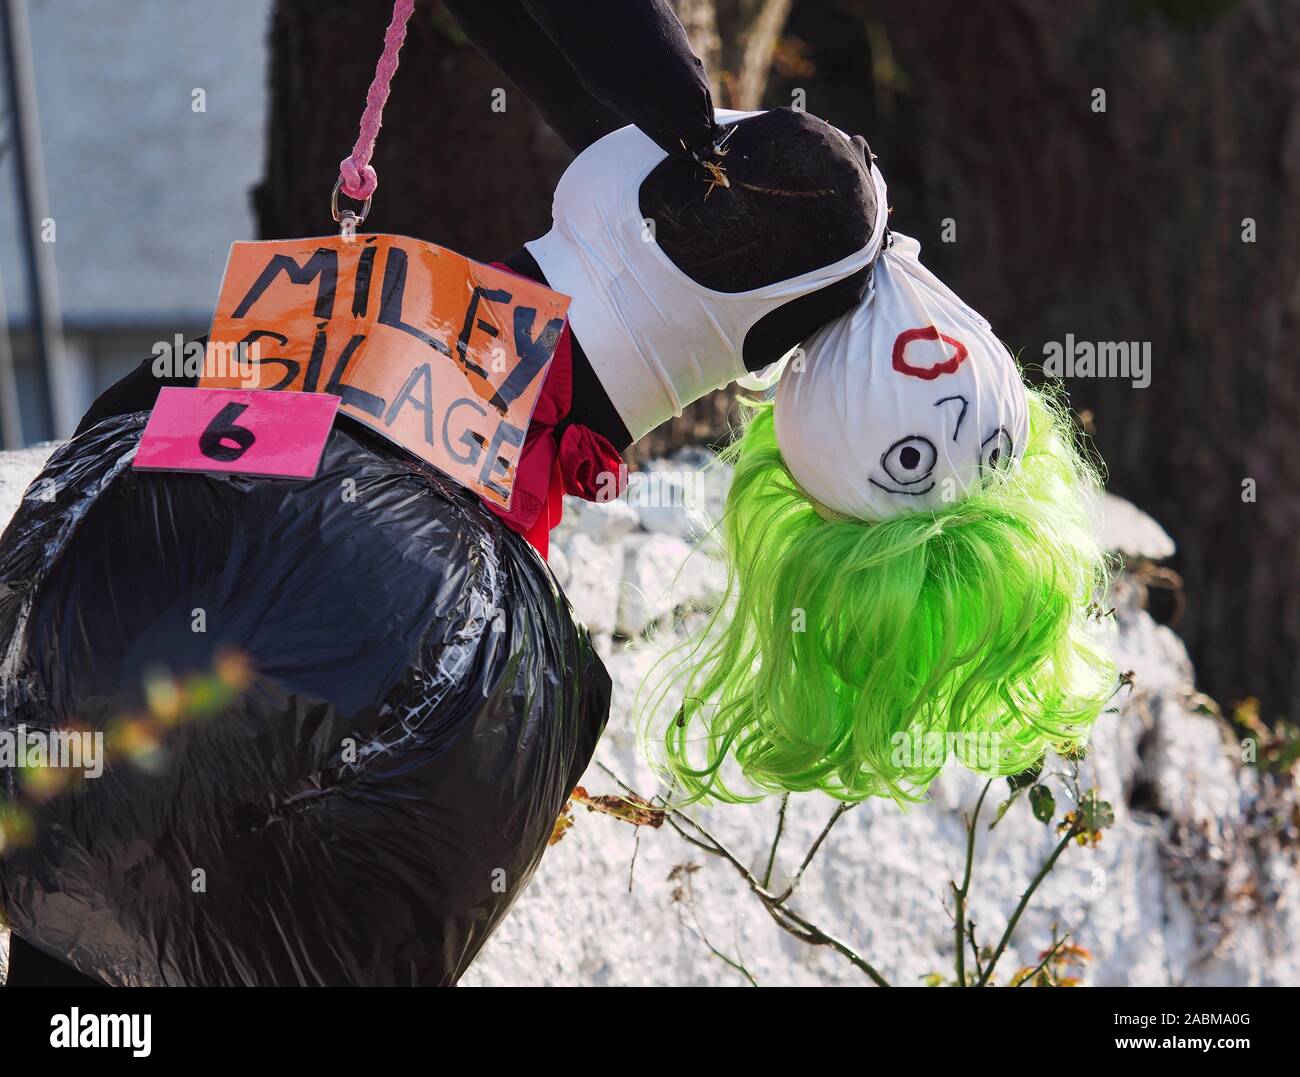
{"type": "Point", "coordinates": [412, 703]}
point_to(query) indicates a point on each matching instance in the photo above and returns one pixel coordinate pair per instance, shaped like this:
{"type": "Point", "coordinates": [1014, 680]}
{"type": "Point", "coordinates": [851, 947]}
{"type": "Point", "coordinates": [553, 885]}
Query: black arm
{"type": "Point", "coordinates": [591, 66]}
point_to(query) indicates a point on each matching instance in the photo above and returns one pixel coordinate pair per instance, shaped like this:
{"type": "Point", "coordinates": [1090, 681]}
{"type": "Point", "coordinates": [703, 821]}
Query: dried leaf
{"type": "Point", "coordinates": [562, 823]}
{"type": "Point", "coordinates": [626, 806]}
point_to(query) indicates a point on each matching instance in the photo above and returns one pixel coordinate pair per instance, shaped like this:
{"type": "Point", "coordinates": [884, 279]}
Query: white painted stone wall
{"type": "Point", "coordinates": [1147, 902]}
{"type": "Point", "coordinates": [1198, 887]}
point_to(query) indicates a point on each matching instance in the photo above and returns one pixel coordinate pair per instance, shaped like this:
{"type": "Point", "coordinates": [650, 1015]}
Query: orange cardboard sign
{"type": "Point", "coordinates": [444, 355]}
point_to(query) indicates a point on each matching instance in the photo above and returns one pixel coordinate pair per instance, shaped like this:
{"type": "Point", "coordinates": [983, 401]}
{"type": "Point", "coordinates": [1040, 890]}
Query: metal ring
{"type": "Point", "coordinates": [334, 204]}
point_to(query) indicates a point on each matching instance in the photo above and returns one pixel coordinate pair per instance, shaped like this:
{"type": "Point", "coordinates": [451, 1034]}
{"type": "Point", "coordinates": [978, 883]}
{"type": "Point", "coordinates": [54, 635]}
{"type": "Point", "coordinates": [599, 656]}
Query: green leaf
{"type": "Point", "coordinates": [1002, 809]}
{"type": "Point", "coordinates": [1043, 803]}
{"type": "Point", "coordinates": [1094, 813]}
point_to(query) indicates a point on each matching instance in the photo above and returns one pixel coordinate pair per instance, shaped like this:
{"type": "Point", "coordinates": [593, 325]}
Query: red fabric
{"type": "Point", "coordinates": [579, 461]}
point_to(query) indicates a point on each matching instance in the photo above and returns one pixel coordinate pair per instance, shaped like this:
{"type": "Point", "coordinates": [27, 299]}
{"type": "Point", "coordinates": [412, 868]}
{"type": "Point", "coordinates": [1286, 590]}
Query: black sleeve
{"type": "Point", "coordinates": [591, 66]}
{"type": "Point", "coordinates": [508, 36]}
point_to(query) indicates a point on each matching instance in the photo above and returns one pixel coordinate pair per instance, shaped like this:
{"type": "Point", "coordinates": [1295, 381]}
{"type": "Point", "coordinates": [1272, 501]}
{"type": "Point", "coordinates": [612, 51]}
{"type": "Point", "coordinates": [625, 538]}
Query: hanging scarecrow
{"type": "Point", "coordinates": [419, 702]}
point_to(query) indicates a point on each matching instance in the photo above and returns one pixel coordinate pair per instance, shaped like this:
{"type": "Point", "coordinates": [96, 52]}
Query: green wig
{"type": "Point", "coordinates": [859, 658]}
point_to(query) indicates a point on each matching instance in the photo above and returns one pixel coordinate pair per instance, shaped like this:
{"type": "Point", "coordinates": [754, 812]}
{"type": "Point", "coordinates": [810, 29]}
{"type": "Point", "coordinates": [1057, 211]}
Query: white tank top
{"type": "Point", "coordinates": [656, 339]}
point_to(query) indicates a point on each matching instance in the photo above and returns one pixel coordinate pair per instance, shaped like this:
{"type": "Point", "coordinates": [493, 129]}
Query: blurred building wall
{"type": "Point", "coordinates": [146, 191]}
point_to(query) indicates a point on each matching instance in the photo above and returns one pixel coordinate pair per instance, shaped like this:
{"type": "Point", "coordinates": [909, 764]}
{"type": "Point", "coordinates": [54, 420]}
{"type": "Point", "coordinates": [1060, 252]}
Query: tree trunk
{"type": "Point", "coordinates": [1122, 225]}
{"type": "Point", "coordinates": [736, 40]}
{"type": "Point", "coordinates": [453, 167]}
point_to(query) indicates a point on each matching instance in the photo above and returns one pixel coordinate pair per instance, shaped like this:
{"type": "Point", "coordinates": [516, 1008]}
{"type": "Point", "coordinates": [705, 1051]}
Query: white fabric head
{"type": "Point", "coordinates": [904, 403]}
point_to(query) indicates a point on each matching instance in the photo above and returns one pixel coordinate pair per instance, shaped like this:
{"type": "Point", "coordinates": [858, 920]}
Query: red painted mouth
{"type": "Point", "coordinates": [929, 373]}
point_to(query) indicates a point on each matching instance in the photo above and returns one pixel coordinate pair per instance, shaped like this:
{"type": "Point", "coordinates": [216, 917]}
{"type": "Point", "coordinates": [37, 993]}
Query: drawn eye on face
{"type": "Point", "coordinates": [997, 452]}
{"type": "Point", "coordinates": [908, 463]}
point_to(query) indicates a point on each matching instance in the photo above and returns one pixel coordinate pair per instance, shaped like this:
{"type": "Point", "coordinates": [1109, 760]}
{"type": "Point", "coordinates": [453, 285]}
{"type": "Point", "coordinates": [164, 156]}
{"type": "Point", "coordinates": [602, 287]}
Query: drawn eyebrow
{"type": "Point", "coordinates": [964, 405]}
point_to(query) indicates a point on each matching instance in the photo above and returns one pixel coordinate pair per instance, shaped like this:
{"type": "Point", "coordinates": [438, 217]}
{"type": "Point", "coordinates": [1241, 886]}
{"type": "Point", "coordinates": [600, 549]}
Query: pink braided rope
{"type": "Point", "coordinates": [359, 179]}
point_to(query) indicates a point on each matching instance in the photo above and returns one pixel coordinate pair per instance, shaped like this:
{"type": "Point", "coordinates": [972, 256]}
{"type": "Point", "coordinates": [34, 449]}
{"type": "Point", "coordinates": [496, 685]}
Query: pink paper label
{"type": "Point", "coordinates": [244, 431]}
